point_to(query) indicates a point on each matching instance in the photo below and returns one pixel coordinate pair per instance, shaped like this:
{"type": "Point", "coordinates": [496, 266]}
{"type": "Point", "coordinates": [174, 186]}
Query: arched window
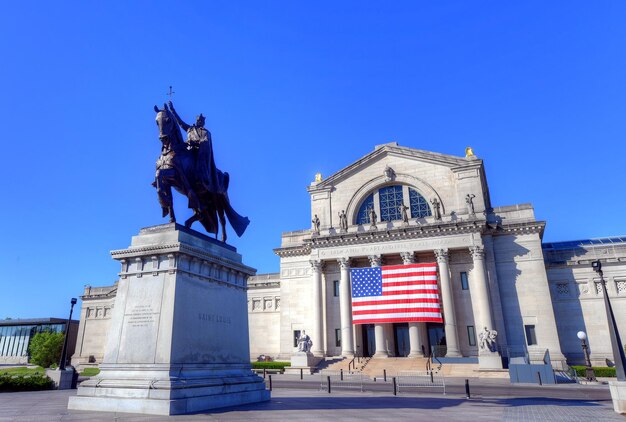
{"type": "Point", "coordinates": [389, 200]}
{"type": "Point", "coordinates": [419, 205]}
{"type": "Point", "coordinates": [363, 216]}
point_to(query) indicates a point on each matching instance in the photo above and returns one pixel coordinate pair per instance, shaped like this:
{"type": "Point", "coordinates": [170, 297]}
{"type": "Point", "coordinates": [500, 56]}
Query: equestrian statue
{"type": "Point", "coordinates": [189, 167]}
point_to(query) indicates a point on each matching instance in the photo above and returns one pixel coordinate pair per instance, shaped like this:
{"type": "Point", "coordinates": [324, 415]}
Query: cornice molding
{"type": "Point", "coordinates": [432, 230]}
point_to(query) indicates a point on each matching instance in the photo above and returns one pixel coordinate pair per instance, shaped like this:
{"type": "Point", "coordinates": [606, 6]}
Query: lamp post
{"type": "Point", "coordinates": [616, 341]}
{"type": "Point", "coordinates": [67, 328]}
{"type": "Point", "coordinates": [589, 373]}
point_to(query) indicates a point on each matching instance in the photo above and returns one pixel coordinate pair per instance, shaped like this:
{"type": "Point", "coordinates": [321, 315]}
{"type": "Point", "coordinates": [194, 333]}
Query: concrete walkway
{"type": "Point", "coordinates": [292, 404]}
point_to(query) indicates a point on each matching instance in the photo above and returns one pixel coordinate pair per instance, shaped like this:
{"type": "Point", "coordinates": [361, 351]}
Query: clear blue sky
{"type": "Point", "coordinates": [537, 88]}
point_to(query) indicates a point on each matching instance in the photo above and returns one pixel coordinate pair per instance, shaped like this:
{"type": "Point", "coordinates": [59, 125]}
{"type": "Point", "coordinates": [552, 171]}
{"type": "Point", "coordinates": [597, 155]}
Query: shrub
{"type": "Point", "coordinates": [600, 371]}
{"type": "Point", "coordinates": [270, 365]}
{"type": "Point", "coordinates": [25, 382]}
{"type": "Point", "coordinates": [45, 348]}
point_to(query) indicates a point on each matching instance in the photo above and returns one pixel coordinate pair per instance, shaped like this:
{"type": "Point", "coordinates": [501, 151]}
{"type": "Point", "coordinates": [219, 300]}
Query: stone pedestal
{"type": "Point", "coordinates": [62, 379]}
{"type": "Point", "coordinates": [302, 360]}
{"type": "Point", "coordinates": [489, 360]}
{"type": "Point", "coordinates": [178, 340]}
{"type": "Point", "coordinates": [618, 394]}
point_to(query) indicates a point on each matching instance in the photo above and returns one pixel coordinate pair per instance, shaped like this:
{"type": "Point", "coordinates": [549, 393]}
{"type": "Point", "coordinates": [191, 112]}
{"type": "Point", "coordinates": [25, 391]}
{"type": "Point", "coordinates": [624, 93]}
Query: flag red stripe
{"type": "Point", "coordinates": [410, 274]}
{"type": "Point", "coordinates": [408, 266]}
{"type": "Point", "coordinates": [383, 320]}
{"type": "Point", "coordinates": [391, 311]}
{"type": "Point", "coordinates": [410, 283]}
{"type": "Point", "coordinates": [411, 292]}
{"type": "Point", "coordinates": [393, 301]}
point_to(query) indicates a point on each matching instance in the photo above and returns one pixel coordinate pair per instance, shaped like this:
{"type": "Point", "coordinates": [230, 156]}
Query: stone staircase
{"type": "Point", "coordinates": [375, 367]}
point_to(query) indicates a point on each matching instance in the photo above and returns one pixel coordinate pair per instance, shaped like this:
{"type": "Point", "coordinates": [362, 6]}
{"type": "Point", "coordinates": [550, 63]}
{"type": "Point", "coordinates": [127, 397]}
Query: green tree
{"type": "Point", "coordinates": [45, 348]}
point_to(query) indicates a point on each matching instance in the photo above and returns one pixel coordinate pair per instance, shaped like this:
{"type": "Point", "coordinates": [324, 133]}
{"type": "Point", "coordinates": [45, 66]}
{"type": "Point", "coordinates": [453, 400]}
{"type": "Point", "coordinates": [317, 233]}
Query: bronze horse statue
{"type": "Point", "coordinates": [182, 166]}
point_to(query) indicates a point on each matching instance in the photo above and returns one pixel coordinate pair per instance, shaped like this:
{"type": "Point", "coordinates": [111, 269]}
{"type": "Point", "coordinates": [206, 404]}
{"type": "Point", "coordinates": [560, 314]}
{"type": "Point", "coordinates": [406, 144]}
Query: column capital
{"type": "Point", "coordinates": [375, 260]}
{"type": "Point", "coordinates": [316, 265]}
{"type": "Point", "coordinates": [344, 263]}
{"type": "Point", "coordinates": [407, 257]}
{"type": "Point", "coordinates": [442, 255]}
{"type": "Point", "coordinates": [478, 252]}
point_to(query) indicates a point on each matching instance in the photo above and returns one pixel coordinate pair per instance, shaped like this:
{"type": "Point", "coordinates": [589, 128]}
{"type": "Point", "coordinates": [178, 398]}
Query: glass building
{"type": "Point", "coordinates": [15, 335]}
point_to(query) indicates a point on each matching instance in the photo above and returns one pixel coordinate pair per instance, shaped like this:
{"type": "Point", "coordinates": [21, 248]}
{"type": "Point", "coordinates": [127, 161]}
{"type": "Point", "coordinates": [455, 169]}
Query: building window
{"type": "Point", "coordinates": [363, 216]}
{"type": "Point", "coordinates": [338, 337]}
{"type": "Point", "coordinates": [464, 282]}
{"type": "Point", "coordinates": [296, 336]}
{"type": "Point", "coordinates": [336, 288]}
{"type": "Point", "coordinates": [471, 335]}
{"type": "Point", "coordinates": [531, 337]}
{"type": "Point", "coordinates": [390, 199]}
{"type": "Point", "coordinates": [419, 205]}
{"type": "Point", "coordinates": [562, 289]}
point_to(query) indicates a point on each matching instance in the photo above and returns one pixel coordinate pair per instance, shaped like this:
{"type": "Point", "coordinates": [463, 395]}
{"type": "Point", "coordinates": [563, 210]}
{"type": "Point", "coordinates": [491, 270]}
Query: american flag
{"type": "Point", "coordinates": [396, 293]}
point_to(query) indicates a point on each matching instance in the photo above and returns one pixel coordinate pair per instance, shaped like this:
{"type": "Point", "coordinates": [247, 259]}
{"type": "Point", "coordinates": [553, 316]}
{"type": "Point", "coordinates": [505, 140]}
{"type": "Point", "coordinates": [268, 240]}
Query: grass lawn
{"type": "Point", "coordinates": [90, 372]}
{"type": "Point", "coordinates": [23, 370]}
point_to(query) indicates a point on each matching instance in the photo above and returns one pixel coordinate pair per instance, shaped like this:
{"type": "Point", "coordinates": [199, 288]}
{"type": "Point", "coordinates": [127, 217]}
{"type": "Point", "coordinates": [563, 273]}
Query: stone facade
{"type": "Point", "coordinates": [577, 294]}
{"type": "Point", "coordinates": [264, 309]}
{"type": "Point", "coordinates": [493, 269]}
{"type": "Point", "coordinates": [95, 319]}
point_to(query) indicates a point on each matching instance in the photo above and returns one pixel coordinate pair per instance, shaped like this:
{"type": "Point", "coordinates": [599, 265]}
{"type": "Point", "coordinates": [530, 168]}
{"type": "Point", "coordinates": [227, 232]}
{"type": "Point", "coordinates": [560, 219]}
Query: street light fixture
{"type": "Point", "coordinates": [67, 329]}
{"type": "Point", "coordinates": [616, 341]}
{"type": "Point", "coordinates": [589, 373]}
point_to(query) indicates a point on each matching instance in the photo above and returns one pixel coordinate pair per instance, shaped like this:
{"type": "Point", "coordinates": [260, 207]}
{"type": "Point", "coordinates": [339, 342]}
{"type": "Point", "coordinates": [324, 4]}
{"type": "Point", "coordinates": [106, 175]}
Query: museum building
{"type": "Point", "coordinates": [398, 206]}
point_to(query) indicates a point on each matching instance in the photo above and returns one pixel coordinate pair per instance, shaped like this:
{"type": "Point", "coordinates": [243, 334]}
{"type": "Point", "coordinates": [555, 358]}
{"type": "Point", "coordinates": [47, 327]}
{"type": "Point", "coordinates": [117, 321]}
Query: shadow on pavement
{"type": "Point", "coordinates": [361, 403]}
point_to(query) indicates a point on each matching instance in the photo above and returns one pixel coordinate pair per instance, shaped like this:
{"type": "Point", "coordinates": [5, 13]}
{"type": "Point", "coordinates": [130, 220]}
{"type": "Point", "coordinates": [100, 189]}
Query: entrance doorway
{"type": "Point", "coordinates": [401, 334]}
{"type": "Point", "coordinates": [369, 339]}
{"type": "Point", "coordinates": [437, 339]}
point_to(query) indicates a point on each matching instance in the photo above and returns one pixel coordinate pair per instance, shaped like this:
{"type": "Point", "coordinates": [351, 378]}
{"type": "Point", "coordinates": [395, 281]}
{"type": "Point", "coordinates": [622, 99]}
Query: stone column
{"type": "Point", "coordinates": [318, 323]}
{"type": "Point", "coordinates": [379, 329]}
{"type": "Point", "coordinates": [345, 308]}
{"type": "Point", "coordinates": [479, 291]}
{"type": "Point", "coordinates": [447, 298]}
{"type": "Point", "coordinates": [414, 337]}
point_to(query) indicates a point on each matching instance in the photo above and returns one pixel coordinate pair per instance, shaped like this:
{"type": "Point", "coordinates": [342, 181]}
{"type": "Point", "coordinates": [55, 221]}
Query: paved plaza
{"type": "Point", "coordinates": [309, 403]}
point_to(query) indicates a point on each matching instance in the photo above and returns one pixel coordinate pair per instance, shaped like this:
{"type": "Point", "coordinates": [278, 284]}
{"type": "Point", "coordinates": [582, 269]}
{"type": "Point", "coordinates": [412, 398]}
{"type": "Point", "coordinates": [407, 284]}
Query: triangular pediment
{"type": "Point", "coordinates": [393, 149]}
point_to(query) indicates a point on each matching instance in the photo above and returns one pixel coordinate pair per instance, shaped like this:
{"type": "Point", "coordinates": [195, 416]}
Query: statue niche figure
{"type": "Point", "coordinates": [189, 167]}
{"type": "Point", "coordinates": [304, 342]}
{"type": "Point", "coordinates": [487, 340]}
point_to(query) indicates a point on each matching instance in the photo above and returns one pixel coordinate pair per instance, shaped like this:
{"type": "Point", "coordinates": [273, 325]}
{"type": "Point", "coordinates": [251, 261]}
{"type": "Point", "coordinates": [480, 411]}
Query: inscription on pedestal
{"type": "Point", "coordinates": [215, 318]}
{"type": "Point", "coordinates": [141, 316]}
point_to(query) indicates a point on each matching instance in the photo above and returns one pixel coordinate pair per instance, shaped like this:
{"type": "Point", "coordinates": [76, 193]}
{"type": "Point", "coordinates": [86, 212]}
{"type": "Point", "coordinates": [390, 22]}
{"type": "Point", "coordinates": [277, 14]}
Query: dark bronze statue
{"type": "Point", "coordinates": [189, 167]}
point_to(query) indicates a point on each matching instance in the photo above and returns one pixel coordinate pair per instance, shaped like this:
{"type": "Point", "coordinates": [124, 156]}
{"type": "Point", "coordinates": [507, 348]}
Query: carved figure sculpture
{"type": "Point", "coordinates": [373, 216]}
{"type": "Point", "coordinates": [389, 174]}
{"type": "Point", "coordinates": [316, 224]}
{"type": "Point", "coordinates": [487, 340]}
{"type": "Point", "coordinates": [189, 167]}
{"type": "Point", "coordinates": [405, 215]}
{"type": "Point", "coordinates": [304, 342]}
{"type": "Point", "coordinates": [343, 221]}
{"type": "Point", "coordinates": [469, 200]}
{"type": "Point", "coordinates": [436, 208]}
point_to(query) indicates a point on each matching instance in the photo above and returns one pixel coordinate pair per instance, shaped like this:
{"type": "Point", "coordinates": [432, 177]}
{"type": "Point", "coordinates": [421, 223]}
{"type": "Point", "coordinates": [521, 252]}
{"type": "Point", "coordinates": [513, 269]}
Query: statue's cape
{"type": "Point", "coordinates": [214, 180]}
